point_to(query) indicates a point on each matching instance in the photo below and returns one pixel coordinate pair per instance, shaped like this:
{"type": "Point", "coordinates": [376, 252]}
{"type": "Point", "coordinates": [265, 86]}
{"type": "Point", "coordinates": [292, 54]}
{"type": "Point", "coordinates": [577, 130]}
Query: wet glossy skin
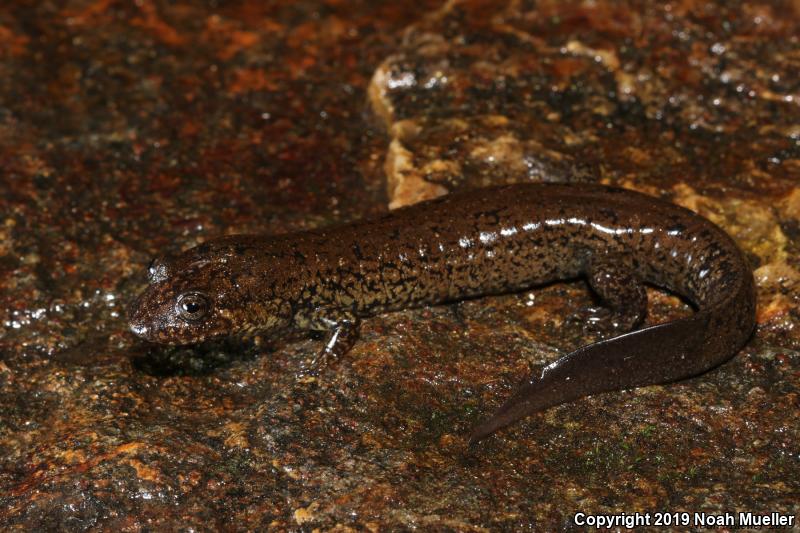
{"type": "Point", "coordinates": [464, 245]}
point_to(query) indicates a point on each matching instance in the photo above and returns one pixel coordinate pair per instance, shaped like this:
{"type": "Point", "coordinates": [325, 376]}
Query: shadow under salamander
{"type": "Point", "coordinates": [203, 358]}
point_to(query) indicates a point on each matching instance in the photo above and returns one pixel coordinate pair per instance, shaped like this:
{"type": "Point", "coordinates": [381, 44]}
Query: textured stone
{"type": "Point", "coordinates": [132, 129]}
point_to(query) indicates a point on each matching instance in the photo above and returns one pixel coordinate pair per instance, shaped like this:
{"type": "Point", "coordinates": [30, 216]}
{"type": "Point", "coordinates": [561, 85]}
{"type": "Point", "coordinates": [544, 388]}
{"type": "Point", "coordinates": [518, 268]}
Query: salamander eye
{"type": "Point", "coordinates": [192, 306]}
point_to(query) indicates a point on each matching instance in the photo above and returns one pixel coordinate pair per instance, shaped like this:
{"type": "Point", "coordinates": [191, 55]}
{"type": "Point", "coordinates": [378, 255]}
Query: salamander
{"type": "Point", "coordinates": [466, 245]}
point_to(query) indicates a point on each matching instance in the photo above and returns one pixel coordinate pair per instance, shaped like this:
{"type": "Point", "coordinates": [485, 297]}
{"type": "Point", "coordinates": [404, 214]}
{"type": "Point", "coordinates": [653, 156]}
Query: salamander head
{"type": "Point", "coordinates": [191, 299]}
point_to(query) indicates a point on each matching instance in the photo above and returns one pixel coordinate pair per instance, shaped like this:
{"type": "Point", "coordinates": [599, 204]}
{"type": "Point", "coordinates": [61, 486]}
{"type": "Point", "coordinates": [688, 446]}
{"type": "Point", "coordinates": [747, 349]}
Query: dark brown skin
{"type": "Point", "coordinates": [488, 241]}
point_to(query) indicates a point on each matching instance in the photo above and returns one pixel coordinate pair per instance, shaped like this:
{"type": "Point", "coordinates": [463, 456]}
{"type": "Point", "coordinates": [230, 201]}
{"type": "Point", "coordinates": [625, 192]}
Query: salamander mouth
{"type": "Point", "coordinates": [170, 336]}
{"type": "Point", "coordinates": [161, 334]}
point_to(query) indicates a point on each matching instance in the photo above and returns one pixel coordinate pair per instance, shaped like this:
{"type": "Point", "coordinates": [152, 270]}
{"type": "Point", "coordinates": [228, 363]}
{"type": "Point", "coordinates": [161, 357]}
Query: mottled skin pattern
{"type": "Point", "coordinates": [488, 241]}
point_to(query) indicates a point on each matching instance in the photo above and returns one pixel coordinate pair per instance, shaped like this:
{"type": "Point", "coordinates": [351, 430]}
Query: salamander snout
{"type": "Point", "coordinates": [138, 328]}
{"type": "Point", "coordinates": [165, 315]}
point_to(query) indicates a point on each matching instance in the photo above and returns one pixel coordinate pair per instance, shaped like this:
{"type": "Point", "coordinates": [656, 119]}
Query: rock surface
{"type": "Point", "coordinates": [131, 129]}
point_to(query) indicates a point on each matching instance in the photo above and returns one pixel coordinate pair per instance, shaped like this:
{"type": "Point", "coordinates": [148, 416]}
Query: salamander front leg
{"type": "Point", "coordinates": [341, 334]}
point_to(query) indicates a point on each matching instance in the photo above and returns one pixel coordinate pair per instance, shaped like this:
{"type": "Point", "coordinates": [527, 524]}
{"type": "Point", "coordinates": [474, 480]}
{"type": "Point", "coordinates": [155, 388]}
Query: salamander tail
{"type": "Point", "coordinates": [657, 354]}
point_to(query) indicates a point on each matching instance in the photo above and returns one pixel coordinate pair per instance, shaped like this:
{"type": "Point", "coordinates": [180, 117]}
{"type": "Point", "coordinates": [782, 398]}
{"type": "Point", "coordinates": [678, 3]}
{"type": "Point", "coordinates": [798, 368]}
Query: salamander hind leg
{"type": "Point", "coordinates": [620, 289]}
{"type": "Point", "coordinates": [341, 332]}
